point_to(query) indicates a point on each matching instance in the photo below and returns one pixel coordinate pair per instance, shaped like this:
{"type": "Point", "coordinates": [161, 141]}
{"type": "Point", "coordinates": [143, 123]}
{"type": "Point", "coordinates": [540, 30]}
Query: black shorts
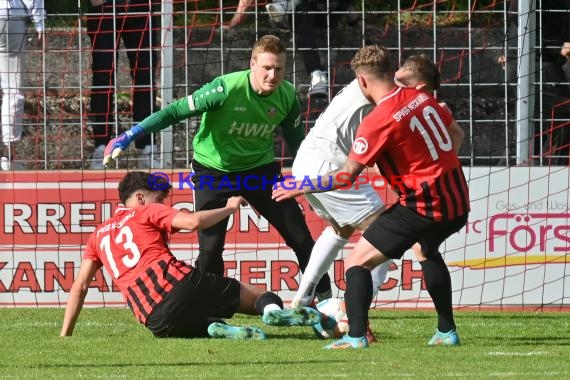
{"type": "Point", "coordinates": [193, 304]}
{"type": "Point", "coordinates": [398, 228]}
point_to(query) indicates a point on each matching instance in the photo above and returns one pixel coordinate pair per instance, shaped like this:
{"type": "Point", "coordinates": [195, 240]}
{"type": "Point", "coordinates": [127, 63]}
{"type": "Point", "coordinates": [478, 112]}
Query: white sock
{"type": "Point", "coordinates": [271, 307]}
{"type": "Point", "coordinates": [378, 277]}
{"type": "Point", "coordinates": [323, 254]}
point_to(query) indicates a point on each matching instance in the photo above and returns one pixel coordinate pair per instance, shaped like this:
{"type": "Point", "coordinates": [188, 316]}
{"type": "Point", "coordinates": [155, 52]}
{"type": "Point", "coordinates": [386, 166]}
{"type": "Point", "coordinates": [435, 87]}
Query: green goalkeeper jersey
{"type": "Point", "coordinates": [237, 128]}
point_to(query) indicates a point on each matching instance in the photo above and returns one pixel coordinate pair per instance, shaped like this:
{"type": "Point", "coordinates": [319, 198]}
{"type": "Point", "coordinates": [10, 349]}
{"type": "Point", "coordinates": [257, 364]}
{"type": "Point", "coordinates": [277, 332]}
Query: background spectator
{"type": "Point", "coordinates": [14, 15]}
{"type": "Point", "coordinates": [309, 15]}
{"type": "Point", "coordinates": [241, 13]}
{"type": "Point", "coordinates": [110, 22]}
{"type": "Point", "coordinates": [305, 22]}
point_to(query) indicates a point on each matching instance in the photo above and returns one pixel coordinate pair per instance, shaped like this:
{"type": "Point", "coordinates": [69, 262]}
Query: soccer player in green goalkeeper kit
{"type": "Point", "coordinates": [239, 113]}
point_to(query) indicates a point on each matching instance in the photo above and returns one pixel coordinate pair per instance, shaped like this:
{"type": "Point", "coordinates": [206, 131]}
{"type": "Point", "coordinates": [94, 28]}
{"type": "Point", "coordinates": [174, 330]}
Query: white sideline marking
{"type": "Point", "coordinates": [532, 353]}
{"type": "Point", "coordinates": [31, 324]}
{"type": "Point", "coordinates": [497, 324]}
{"type": "Point", "coordinates": [533, 374]}
{"type": "Point", "coordinates": [58, 323]}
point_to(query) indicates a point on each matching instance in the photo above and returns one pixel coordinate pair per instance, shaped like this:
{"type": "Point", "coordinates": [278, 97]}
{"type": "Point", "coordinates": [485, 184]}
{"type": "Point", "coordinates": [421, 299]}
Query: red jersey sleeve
{"type": "Point", "coordinates": [161, 216]}
{"type": "Point", "coordinates": [90, 252]}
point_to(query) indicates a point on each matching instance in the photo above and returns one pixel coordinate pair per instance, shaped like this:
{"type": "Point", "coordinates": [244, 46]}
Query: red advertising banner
{"type": "Point", "coordinates": [64, 207]}
{"type": "Point", "coordinates": [48, 217]}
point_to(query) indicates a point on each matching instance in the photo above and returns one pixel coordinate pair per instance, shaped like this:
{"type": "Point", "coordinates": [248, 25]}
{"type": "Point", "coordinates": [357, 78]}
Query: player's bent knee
{"type": "Point", "coordinates": [368, 260]}
{"type": "Point", "coordinates": [248, 296]}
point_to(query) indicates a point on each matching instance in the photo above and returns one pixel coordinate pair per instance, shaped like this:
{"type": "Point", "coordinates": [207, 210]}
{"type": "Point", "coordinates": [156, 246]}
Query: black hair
{"type": "Point", "coordinates": [137, 180]}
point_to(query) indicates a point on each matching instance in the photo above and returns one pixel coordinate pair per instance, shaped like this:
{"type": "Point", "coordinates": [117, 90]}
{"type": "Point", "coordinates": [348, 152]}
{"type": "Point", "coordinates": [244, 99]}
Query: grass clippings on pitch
{"type": "Point", "coordinates": [109, 344]}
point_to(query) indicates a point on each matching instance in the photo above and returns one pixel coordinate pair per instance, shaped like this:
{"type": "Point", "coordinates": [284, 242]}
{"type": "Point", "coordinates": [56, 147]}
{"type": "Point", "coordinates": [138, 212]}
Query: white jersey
{"type": "Point", "coordinates": [331, 137]}
{"type": "Point", "coordinates": [326, 149]}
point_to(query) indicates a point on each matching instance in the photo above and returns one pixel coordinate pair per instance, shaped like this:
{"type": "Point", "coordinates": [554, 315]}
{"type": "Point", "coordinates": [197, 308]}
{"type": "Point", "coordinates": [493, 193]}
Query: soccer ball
{"type": "Point", "coordinates": [334, 322]}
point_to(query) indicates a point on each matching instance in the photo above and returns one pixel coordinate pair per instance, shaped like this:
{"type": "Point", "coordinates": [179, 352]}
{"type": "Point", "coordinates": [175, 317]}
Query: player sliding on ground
{"type": "Point", "coordinates": [168, 296]}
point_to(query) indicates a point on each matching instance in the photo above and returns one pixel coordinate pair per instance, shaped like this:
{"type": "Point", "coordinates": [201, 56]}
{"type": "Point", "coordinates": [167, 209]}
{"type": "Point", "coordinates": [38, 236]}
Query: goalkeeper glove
{"type": "Point", "coordinates": [118, 145]}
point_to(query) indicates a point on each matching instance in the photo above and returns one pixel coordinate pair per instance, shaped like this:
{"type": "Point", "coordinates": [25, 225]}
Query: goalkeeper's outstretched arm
{"type": "Point", "coordinates": [174, 113]}
{"type": "Point", "coordinates": [209, 97]}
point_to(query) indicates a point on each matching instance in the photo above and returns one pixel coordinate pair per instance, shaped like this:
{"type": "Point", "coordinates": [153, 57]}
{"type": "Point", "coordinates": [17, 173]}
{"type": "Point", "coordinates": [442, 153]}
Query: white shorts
{"type": "Point", "coordinates": [348, 207]}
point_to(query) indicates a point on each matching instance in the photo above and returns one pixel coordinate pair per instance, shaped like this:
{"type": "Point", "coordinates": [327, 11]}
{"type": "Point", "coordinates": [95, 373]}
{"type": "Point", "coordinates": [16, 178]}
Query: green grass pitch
{"type": "Point", "coordinates": [109, 344]}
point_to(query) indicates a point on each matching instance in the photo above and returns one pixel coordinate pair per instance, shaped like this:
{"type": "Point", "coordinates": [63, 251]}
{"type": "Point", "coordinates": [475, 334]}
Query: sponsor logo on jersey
{"type": "Point", "coordinates": [272, 111]}
{"type": "Point", "coordinates": [240, 109]}
{"type": "Point", "coordinates": [242, 129]}
{"type": "Point", "coordinates": [360, 145]}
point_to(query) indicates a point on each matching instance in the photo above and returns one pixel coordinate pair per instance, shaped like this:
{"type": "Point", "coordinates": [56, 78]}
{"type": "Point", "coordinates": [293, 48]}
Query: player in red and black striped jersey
{"type": "Point", "coordinates": [168, 296]}
{"type": "Point", "coordinates": [406, 136]}
{"type": "Point", "coordinates": [414, 141]}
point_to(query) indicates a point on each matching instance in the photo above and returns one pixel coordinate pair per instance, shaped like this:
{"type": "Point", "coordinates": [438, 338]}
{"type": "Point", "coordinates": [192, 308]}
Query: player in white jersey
{"type": "Point", "coordinates": [326, 148]}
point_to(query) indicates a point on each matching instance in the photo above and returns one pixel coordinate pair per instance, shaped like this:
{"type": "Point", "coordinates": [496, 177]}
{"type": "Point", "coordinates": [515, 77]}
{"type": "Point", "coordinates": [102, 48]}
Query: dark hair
{"type": "Point", "coordinates": [426, 69]}
{"type": "Point", "coordinates": [137, 180]}
{"type": "Point", "coordinates": [375, 60]}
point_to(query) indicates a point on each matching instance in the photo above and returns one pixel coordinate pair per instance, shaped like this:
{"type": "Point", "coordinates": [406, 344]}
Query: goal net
{"type": "Point", "coordinates": [503, 76]}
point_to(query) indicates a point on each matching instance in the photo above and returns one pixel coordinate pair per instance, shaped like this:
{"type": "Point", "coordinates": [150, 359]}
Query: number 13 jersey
{"type": "Point", "coordinates": [133, 248]}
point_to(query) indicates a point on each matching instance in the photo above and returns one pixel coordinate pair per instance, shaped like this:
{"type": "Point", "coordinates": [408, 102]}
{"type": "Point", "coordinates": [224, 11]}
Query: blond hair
{"type": "Point", "coordinates": [268, 44]}
{"type": "Point", "coordinates": [374, 60]}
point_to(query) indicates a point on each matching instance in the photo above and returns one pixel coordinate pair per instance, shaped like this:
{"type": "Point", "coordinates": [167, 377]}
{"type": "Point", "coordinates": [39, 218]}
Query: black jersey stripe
{"type": "Point", "coordinates": [168, 277]}
{"type": "Point", "coordinates": [140, 310]}
{"type": "Point", "coordinates": [451, 197]}
{"type": "Point", "coordinates": [461, 186]}
{"type": "Point", "coordinates": [427, 200]}
{"type": "Point", "coordinates": [181, 269]}
{"type": "Point", "coordinates": [145, 292]}
{"type": "Point", "coordinates": [441, 193]}
{"type": "Point", "coordinates": [153, 277]}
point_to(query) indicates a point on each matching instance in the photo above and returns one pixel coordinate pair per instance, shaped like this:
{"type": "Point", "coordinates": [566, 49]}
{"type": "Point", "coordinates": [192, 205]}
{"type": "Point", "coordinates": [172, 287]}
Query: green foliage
{"type": "Point", "coordinates": [108, 343]}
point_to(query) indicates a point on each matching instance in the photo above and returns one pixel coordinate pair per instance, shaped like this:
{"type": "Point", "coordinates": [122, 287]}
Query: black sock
{"type": "Point", "coordinates": [357, 297]}
{"type": "Point", "coordinates": [211, 320]}
{"type": "Point", "coordinates": [265, 299]}
{"type": "Point", "coordinates": [324, 285]}
{"type": "Point", "coordinates": [438, 282]}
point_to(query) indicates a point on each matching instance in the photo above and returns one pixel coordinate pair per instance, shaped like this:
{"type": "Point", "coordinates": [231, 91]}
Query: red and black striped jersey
{"type": "Point", "coordinates": [406, 136]}
{"type": "Point", "coordinates": [133, 248]}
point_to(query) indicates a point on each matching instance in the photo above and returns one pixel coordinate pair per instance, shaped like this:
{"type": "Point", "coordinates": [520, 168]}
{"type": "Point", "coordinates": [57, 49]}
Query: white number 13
{"type": "Point", "coordinates": [124, 237]}
{"type": "Point", "coordinates": [431, 117]}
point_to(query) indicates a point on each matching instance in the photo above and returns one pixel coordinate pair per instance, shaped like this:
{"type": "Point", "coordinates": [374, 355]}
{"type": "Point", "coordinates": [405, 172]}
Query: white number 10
{"type": "Point", "coordinates": [439, 131]}
{"type": "Point", "coordinates": [124, 237]}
